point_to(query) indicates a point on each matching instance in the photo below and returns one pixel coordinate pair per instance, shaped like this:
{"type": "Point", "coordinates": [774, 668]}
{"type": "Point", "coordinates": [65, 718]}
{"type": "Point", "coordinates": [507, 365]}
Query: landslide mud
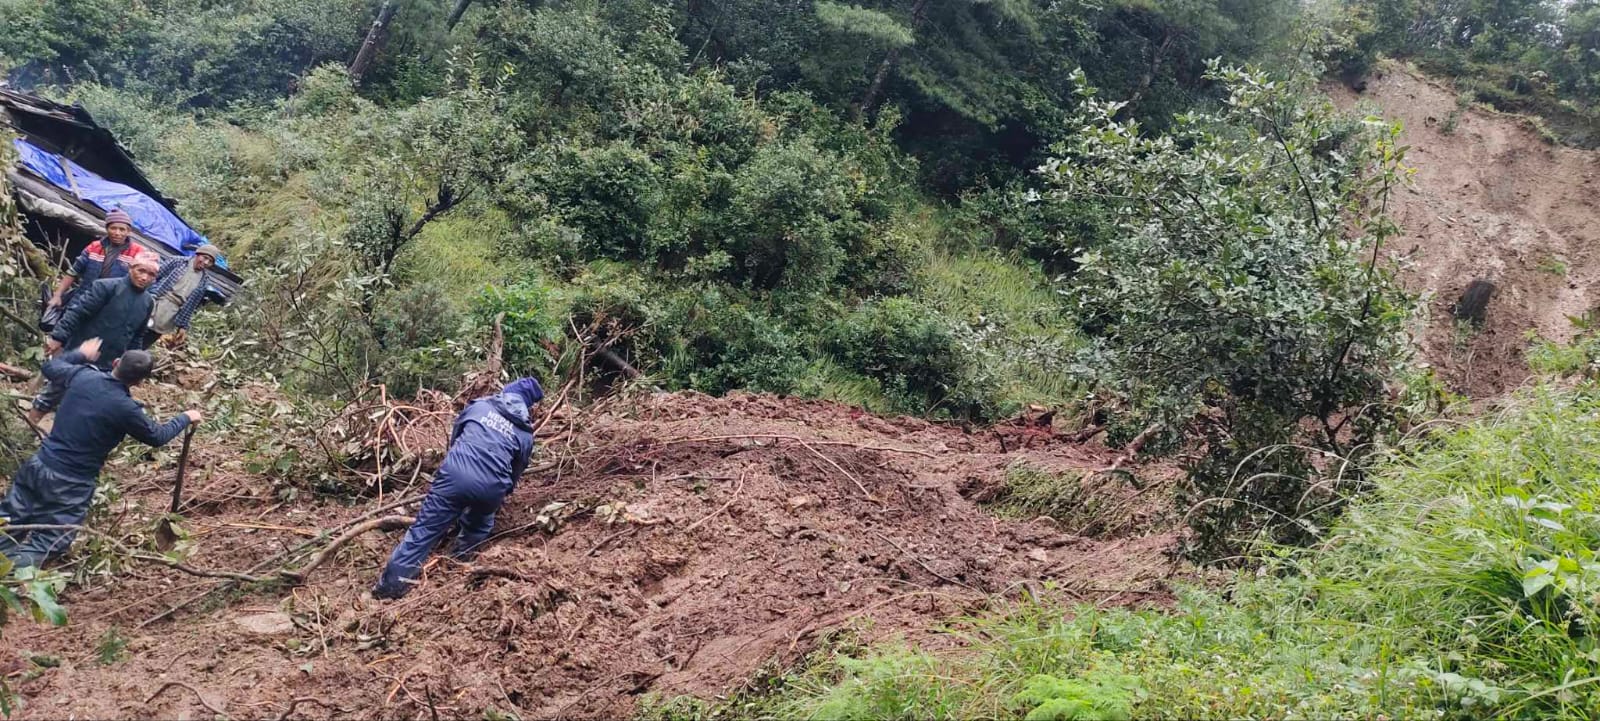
{"type": "Point", "coordinates": [690, 543]}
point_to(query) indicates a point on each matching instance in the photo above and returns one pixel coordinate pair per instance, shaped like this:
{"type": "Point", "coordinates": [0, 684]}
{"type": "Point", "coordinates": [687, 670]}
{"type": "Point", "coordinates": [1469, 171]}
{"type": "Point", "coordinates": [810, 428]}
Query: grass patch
{"type": "Point", "coordinates": [1552, 264]}
{"type": "Point", "coordinates": [457, 254]}
{"type": "Point", "coordinates": [1098, 505]}
{"type": "Point", "coordinates": [1012, 318]}
{"type": "Point", "coordinates": [111, 648]}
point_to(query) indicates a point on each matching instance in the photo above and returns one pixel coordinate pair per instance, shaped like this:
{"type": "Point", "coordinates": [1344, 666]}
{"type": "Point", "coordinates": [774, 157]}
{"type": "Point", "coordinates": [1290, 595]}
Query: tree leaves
{"type": "Point", "coordinates": [1232, 302]}
{"type": "Point", "coordinates": [869, 24]}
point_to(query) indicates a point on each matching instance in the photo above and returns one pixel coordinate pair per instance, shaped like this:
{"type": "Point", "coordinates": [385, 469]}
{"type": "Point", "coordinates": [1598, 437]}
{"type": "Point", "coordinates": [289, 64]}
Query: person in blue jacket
{"type": "Point", "coordinates": [56, 485]}
{"type": "Point", "coordinates": [115, 310]}
{"type": "Point", "coordinates": [490, 445]}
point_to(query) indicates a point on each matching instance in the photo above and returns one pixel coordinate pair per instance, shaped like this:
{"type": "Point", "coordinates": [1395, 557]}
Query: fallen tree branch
{"type": "Point", "coordinates": [619, 534]}
{"type": "Point", "coordinates": [861, 446]}
{"type": "Point", "coordinates": [271, 561]}
{"type": "Point", "coordinates": [386, 523]}
{"type": "Point", "coordinates": [307, 699]}
{"type": "Point", "coordinates": [736, 491]}
{"type": "Point", "coordinates": [32, 328]}
{"type": "Point", "coordinates": [197, 694]}
{"type": "Point", "coordinates": [925, 566]}
{"type": "Point", "coordinates": [1131, 450]}
{"type": "Point", "coordinates": [617, 363]}
{"type": "Point", "coordinates": [134, 554]}
{"type": "Point", "coordinates": [14, 373]}
{"type": "Point", "coordinates": [841, 469]}
{"type": "Point", "coordinates": [1086, 433]}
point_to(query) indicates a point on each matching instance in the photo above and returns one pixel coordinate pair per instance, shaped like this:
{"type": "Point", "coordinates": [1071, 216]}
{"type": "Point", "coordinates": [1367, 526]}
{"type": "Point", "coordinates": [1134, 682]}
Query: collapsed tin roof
{"type": "Point", "coordinates": [71, 171]}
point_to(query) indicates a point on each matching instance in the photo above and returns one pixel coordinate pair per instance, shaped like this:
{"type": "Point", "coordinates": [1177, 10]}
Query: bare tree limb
{"type": "Point", "coordinates": [386, 523]}
{"type": "Point", "coordinates": [193, 690]}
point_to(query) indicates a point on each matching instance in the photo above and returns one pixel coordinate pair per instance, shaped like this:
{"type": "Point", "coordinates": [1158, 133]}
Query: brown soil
{"type": "Point", "coordinates": [1492, 200]}
{"type": "Point", "coordinates": [685, 563]}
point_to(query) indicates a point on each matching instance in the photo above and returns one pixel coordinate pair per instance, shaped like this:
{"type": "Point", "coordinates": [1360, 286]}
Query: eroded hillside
{"type": "Point", "coordinates": [1492, 200]}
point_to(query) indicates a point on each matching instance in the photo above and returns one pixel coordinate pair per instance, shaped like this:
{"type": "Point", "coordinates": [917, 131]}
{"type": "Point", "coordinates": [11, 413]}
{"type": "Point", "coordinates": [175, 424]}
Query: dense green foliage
{"type": "Point", "coordinates": [25, 592]}
{"type": "Point", "coordinates": [1462, 587]}
{"type": "Point", "coordinates": [1236, 299]}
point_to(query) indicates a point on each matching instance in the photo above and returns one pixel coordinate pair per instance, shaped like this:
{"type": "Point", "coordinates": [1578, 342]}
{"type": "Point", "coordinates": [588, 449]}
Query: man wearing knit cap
{"type": "Point", "coordinates": [177, 293]}
{"type": "Point", "coordinates": [489, 448]}
{"type": "Point", "coordinates": [108, 257]}
{"type": "Point", "coordinates": [115, 310]}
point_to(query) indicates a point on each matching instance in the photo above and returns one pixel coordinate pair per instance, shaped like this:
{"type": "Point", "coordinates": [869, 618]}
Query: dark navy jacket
{"type": "Point", "coordinates": [489, 446]}
{"type": "Point", "coordinates": [113, 310]}
{"type": "Point", "coordinates": [94, 416]}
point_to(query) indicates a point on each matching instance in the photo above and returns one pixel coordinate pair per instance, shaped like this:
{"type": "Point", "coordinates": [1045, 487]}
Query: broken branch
{"type": "Point", "coordinates": [861, 446]}
{"type": "Point", "coordinates": [925, 566]}
{"type": "Point", "coordinates": [197, 694]}
{"type": "Point", "coordinates": [841, 469]}
{"type": "Point", "coordinates": [386, 523]}
{"type": "Point", "coordinates": [307, 699]}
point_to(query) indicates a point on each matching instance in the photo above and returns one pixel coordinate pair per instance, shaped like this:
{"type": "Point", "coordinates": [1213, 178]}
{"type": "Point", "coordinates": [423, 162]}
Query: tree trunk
{"type": "Point", "coordinates": [869, 101]}
{"type": "Point", "coordinates": [375, 37]}
{"type": "Point", "coordinates": [1474, 302]}
{"type": "Point", "coordinates": [456, 13]}
{"type": "Point", "coordinates": [1149, 77]}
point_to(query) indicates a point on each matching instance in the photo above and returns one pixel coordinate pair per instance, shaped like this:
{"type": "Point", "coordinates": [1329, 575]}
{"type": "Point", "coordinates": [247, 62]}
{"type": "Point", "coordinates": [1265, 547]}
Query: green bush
{"type": "Point", "coordinates": [609, 194]}
{"type": "Point", "coordinates": [911, 352]}
{"type": "Point", "coordinates": [1236, 300]}
{"type": "Point", "coordinates": [790, 219]}
{"type": "Point", "coordinates": [414, 328]}
{"type": "Point", "coordinates": [1019, 219]}
{"type": "Point", "coordinates": [713, 342]}
{"type": "Point", "coordinates": [532, 318]}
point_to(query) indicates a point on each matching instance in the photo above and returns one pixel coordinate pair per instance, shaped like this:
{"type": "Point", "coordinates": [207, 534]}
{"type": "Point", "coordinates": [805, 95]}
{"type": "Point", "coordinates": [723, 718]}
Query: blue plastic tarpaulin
{"type": "Point", "coordinates": [151, 218]}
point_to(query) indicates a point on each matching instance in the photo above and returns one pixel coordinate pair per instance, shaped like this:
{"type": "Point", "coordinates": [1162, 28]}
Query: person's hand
{"type": "Point", "coordinates": [51, 347]}
{"type": "Point", "coordinates": [195, 416]}
{"type": "Point", "coordinates": [55, 300]}
{"type": "Point", "coordinates": [90, 349]}
{"type": "Point", "coordinates": [179, 336]}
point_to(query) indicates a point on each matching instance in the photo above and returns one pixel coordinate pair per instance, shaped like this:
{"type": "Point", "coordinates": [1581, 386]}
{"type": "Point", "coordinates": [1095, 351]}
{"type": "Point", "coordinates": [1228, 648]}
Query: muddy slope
{"type": "Point", "coordinates": [704, 539]}
{"type": "Point", "coordinates": [1492, 201]}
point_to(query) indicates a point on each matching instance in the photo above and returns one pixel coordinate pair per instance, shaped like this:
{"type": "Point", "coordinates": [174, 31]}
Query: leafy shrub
{"type": "Point", "coordinates": [1098, 695]}
{"type": "Point", "coordinates": [609, 194]}
{"type": "Point", "coordinates": [714, 343]}
{"type": "Point", "coordinates": [1233, 299]}
{"type": "Point", "coordinates": [1053, 232]}
{"type": "Point", "coordinates": [414, 326]}
{"type": "Point", "coordinates": [911, 352]}
{"type": "Point", "coordinates": [532, 319]}
{"type": "Point", "coordinates": [790, 219]}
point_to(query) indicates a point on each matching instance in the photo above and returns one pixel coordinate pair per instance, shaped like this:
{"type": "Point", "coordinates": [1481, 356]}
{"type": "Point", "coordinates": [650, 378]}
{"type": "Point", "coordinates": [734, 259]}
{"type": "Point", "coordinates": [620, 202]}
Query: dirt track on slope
{"type": "Point", "coordinates": [1492, 200]}
{"type": "Point", "coordinates": [687, 561]}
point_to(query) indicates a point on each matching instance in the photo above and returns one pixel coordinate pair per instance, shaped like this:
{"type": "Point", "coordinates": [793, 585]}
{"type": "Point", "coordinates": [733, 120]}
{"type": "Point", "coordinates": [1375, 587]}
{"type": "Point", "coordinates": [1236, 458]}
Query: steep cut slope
{"type": "Point", "coordinates": [1491, 201]}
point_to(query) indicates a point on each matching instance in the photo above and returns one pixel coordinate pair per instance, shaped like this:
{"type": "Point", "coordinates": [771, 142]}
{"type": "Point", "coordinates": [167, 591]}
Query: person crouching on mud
{"type": "Point", "coordinates": [490, 445]}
